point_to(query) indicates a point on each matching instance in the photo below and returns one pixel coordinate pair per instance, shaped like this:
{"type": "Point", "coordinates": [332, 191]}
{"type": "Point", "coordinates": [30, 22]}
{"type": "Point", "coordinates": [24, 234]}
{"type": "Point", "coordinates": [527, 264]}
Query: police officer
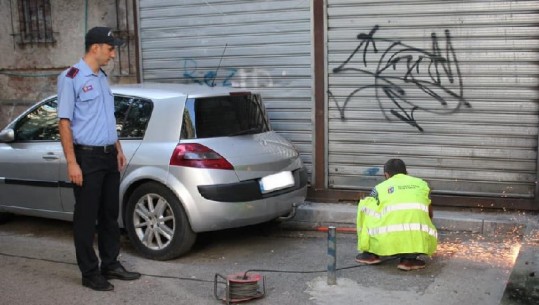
{"type": "Point", "coordinates": [94, 159]}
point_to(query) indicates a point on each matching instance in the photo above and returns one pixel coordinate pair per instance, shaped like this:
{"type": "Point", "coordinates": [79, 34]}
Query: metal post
{"type": "Point", "coordinates": [332, 256]}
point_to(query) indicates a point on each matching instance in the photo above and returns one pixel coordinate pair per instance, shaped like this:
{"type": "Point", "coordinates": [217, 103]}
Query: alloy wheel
{"type": "Point", "coordinates": [154, 221]}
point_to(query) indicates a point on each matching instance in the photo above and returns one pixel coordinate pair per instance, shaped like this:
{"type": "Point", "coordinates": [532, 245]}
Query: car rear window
{"type": "Point", "coordinates": [224, 116]}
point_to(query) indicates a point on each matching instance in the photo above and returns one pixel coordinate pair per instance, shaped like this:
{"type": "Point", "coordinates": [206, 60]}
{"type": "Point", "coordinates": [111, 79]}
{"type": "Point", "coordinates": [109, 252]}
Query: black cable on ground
{"type": "Point", "coordinates": [200, 280]}
{"type": "Point", "coordinates": [38, 259]}
{"type": "Point", "coordinates": [75, 264]}
{"type": "Point", "coordinates": [177, 278]}
{"type": "Point", "coordinates": [315, 271]}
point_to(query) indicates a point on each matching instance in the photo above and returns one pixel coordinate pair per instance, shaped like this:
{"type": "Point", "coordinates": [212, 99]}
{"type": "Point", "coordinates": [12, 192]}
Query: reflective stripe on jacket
{"type": "Point", "coordinates": [398, 222]}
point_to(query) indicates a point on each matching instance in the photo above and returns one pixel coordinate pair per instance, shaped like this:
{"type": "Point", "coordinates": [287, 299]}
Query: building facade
{"type": "Point", "coordinates": [40, 38]}
{"type": "Point", "coordinates": [450, 87]}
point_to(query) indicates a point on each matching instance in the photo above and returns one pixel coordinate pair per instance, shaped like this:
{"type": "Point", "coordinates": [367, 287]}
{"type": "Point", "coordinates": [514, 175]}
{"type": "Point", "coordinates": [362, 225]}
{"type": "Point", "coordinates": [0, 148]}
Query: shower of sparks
{"type": "Point", "coordinates": [497, 251]}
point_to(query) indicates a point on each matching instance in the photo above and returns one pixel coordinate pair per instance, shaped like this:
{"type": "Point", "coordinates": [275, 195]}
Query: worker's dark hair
{"type": "Point", "coordinates": [395, 166]}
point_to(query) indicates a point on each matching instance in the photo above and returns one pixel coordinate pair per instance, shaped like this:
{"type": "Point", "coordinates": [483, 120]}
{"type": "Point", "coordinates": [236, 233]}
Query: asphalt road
{"type": "Point", "coordinates": [37, 265]}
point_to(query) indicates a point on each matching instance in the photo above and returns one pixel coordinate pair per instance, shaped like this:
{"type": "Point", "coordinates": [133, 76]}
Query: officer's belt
{"type": "Point", "coordinates": [104, 149]}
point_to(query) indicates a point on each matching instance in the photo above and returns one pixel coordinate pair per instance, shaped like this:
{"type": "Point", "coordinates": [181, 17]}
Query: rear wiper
{"type": "Point", "coordinates": [246, 131]}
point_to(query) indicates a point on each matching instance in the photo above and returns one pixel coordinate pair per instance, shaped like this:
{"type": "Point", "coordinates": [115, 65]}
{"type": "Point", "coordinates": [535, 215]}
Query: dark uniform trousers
{"type": "Point", "coordinates": [96, 201]}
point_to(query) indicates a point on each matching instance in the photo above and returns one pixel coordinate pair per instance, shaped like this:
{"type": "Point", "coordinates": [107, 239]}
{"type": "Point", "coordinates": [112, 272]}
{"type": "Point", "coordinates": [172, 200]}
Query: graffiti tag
{"type": "Point", "coordinates": [191, 73]}
{"type": "Point", "coordinates": [435, 72]}
{"type": "Point", "coordinates": [226, 77]}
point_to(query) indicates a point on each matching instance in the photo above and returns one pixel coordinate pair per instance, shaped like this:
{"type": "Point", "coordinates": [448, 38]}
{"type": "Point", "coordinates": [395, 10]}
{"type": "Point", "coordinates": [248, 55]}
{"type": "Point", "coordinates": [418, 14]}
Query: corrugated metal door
{"type": "Point", "coordinates": [264, 46]}
{"type": "Point", "coordinates": [448, 86]}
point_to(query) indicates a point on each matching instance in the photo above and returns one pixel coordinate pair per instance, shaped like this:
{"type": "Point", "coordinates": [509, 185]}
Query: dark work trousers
{"type": "Point", "coordinates": [96, 202]}
{"type": "Point", "coordinates": [408, 255]}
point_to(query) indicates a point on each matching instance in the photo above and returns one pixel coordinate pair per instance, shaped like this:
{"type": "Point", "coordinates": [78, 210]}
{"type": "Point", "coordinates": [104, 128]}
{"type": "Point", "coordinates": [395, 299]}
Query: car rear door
{"type": "Point", "coordinates": [29, 166]}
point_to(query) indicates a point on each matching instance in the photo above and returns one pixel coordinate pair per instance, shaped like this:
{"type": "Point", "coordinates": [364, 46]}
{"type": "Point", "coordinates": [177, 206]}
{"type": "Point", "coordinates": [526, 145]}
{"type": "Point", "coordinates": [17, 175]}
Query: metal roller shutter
{"type": "Point", "coordinates": [450, 87]}
{"type": "Point", "coordinates": [261, 46]}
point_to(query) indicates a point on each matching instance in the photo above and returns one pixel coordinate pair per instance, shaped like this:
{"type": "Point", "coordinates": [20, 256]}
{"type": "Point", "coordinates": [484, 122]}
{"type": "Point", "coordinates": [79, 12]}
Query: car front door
{"type": "Point", "coordinates": [132, 116]}
{"type": "Point", "coordinates": [29, 165]}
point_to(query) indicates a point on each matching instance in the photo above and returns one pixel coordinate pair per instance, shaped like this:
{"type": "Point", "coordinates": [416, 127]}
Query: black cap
{"type": "Point", "coordinates": [101, 34]}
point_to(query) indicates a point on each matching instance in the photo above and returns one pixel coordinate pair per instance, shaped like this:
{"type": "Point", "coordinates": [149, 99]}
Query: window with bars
{"type": "Point", "coordinates": [35, 22]}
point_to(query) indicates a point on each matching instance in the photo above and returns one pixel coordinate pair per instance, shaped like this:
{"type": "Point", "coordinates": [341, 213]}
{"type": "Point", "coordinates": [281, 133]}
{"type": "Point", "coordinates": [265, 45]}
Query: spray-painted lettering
{"type": "Point", "coordinates": [226, 76]}
{"type": "Point", "coordinates": [435, 72]}
{"type": "Point", "coordinates": [208, 78]}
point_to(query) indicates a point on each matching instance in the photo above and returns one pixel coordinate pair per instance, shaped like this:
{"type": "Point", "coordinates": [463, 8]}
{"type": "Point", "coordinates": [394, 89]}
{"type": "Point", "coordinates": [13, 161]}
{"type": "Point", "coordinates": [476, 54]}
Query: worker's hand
{"type": "Point", "coordinates": [75, 173]}
{"type": "Point", "coordinates": [121, 161]}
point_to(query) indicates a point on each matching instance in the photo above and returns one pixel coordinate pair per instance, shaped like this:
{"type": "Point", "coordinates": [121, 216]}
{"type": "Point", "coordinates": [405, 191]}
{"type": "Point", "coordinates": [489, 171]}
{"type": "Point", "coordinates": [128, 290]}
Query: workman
{"type": "Point", "coordinates": [395, 220]}
{"type": "Point", "coordinates": [94, 159]}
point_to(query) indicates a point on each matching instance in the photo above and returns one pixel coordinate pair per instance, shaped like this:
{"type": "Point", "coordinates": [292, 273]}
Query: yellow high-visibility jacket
{"type": "Point", "coordinates": [397, 221]}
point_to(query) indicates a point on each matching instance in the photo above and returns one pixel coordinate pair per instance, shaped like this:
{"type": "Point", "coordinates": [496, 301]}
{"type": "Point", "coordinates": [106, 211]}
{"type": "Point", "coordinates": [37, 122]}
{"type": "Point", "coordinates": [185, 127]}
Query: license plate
{"type": "Point", "coordinates": [276, 182]}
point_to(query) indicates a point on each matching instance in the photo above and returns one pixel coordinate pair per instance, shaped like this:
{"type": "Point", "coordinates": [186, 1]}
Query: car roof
{"type": "Point", "coordinates": [170, 90]}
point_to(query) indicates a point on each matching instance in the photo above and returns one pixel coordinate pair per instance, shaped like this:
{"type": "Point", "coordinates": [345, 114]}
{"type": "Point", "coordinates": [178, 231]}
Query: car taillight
{"type": "Point", "coordinates": [198, 155]}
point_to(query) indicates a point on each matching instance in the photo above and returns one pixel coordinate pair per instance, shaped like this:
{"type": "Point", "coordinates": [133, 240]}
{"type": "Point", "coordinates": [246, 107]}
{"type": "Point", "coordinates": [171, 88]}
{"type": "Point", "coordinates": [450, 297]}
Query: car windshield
{"type": "Point", "coordinates": [224, 116]}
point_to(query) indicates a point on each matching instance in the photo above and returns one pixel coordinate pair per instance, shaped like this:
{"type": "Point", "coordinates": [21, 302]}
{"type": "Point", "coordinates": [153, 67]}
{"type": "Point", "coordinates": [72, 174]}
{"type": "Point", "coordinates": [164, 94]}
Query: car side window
{"type": "Point", "coordinates": [132, 116]}
{"type": "Point", "coordinates": [188, 122]}
{"type": "Point", "coordinates": [41, 124]}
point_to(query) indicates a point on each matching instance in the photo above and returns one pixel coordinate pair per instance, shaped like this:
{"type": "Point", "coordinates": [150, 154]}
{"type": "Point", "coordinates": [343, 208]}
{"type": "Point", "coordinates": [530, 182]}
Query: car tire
{"type": "Point", "coordinates": [157, 224]}
{"type": "Point", "coordinates": [5, 217]}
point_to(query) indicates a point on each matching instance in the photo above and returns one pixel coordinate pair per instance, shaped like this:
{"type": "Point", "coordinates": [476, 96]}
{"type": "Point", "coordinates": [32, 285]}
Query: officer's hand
{"type": "Point", "coordinates": [75, 173]}
{"type": "Point", "coordinates": [121, 161]}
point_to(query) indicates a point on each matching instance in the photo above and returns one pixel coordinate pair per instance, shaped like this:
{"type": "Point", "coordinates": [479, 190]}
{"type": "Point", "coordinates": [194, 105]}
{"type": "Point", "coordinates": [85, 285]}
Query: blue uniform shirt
{"type": "Point", "coordinates": [86, 100]}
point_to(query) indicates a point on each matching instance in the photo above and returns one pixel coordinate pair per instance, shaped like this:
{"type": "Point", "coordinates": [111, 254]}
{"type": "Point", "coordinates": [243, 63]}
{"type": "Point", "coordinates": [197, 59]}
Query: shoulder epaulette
{"type": "Point", "coordinates": [72, 72]}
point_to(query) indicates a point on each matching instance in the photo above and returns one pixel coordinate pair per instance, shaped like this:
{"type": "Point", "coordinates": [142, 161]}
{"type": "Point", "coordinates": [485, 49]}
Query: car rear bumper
{"type": "Point", "coordinates": [211, 215]}
{"type": "Point", "coordinates": [241, 204]}
{"type": "Point", "coordinates": [223, 215]}
{"type": "Point", "coordinates": [248, 190]}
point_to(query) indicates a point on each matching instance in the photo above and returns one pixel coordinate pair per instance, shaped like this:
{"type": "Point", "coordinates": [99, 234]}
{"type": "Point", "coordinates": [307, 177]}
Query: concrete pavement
{"type": "Point", "coordinates": [523, 284]}
{"type": "Point", "coordinates": [475, 259]}
{"type": "Point", "coordinates": [38, 267]}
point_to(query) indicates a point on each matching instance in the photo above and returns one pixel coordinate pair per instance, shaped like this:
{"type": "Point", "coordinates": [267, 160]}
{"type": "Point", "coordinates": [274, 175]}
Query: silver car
{"type": "Point", "coordinates": [199, 159]}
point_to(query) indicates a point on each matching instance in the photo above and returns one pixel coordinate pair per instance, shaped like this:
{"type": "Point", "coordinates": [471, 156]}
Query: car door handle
{"type": "Point", "coordinates": [50, 156]}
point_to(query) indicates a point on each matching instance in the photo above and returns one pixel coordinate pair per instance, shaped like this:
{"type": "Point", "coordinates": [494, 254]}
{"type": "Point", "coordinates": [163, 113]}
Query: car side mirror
{"type": "Point", "coordinates": [7, 135]}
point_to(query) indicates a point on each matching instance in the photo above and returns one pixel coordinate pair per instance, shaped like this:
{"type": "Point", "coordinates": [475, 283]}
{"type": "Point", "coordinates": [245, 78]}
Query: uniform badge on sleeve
{"type": "Point", "coordinates": [72, 72]}
{"type": "Point", "coordinates": [87, 88]}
